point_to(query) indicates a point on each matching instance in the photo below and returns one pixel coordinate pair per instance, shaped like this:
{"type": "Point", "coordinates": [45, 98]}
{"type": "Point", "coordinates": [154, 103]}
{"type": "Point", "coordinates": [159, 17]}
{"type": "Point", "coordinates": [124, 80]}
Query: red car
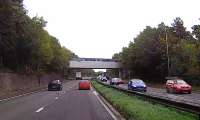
{"type": "Point", "coordinates": [84, 85]}
{"type": "Point", "coordinates": [116, 81]}
{"type": "Point", "coordinates": [178, 86]}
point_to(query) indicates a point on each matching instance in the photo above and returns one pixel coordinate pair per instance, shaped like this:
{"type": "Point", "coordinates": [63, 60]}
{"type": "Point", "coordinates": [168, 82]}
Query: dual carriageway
{"type": "Point", "coordinates": [74, 104]}
{"type": "Point", "coordinates": [68, 104]}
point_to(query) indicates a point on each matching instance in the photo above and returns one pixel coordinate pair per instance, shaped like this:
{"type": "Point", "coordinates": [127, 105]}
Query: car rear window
{"type": "Point", "coordinates": [56, 82]}
{"type": "Point", "coordinates": [84, 81]}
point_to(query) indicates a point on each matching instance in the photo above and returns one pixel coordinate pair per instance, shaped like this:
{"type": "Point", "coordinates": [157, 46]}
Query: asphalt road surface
{"type": "Point", "coordinates": [193, 98]}
{"type": "Point", "coordinates": [69, 104]}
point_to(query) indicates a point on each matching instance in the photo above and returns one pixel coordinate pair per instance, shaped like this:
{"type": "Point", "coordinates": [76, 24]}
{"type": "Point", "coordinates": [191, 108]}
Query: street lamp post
{"type": "Point", "coordinates": [168, 62]}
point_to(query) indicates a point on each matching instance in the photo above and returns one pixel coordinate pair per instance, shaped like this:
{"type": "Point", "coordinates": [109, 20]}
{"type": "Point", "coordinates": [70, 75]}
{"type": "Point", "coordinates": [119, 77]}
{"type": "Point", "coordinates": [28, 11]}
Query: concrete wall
{"type": "Point", "coordinates": [13, 81]}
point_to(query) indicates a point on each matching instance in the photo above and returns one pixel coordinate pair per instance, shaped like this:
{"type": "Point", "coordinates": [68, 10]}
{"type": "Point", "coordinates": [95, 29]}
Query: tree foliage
{"type": "Point", "coordinates": [25, 45]}
{"type": "Point", "coordinates": [147, 55]}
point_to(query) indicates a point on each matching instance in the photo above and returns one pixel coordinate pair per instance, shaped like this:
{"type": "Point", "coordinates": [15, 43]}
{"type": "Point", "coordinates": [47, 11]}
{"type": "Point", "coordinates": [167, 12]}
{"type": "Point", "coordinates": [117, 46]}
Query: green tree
{"type": "Point", "coordinates": [25, 46]}
{"type": "Point", "coordinates": [178, 27]}
{"type": "Point", "coordinates": [147, 56]}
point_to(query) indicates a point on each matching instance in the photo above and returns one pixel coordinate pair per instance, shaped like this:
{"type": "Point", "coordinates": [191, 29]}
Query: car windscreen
{"type": "Point", "coordinates": [116, 79]}
{"type": "Point", "coordinates": [180, 82]}
{"type": "Point", "coordinates": [137, 82]}
{"type": "Point", "coordinates": [169, 81]}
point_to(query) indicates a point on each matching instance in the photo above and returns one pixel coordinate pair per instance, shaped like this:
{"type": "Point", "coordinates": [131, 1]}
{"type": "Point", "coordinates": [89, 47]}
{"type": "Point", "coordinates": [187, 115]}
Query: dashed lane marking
{"type": "Point", "coordinates": [39, 110]}
{"type": "Point", "coordinates": [95, 93]}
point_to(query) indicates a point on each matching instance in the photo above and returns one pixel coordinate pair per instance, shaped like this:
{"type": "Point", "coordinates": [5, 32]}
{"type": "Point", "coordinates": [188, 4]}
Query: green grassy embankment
{"type": "Point", "coordinates": [134, 108]}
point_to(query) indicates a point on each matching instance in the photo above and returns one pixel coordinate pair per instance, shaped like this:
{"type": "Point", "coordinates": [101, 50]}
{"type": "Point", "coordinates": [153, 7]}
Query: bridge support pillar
{"type": "Point", "coordinates": [120, 73]}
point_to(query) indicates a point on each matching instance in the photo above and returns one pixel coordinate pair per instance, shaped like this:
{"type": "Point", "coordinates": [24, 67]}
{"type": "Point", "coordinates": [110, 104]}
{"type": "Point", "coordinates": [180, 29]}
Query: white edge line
{"type": "Point", "coordinates": [40, 109]}
{"type": "Point", "coordinates": [107, 109]}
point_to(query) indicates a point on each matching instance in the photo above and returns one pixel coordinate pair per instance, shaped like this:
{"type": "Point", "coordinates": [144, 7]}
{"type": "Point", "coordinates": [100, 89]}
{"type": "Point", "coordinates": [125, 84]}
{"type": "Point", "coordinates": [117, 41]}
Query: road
{"type": "Point", "coordinates": [193, 98]}
{"type": "Point", "coordinates": [69, 104]}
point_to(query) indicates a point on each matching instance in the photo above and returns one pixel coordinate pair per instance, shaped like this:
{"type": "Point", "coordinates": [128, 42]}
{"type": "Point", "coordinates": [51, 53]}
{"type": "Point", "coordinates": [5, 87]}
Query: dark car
{"type": "Point", "coordinates": [55, 85]}
{"type": "Point", "coordinates": [116, 81]}
{"type": "Point", "coordinates": [137, 85]}
{"type": "Point", "coordinates": [178, 86]}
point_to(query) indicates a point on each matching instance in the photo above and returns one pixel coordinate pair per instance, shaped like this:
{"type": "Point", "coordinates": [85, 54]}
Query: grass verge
{"type": "Point", "coordinates": [133, 108]}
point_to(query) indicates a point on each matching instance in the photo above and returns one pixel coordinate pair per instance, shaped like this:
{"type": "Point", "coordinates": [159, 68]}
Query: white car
{"type": "Point", "coordinates": [104, 79]}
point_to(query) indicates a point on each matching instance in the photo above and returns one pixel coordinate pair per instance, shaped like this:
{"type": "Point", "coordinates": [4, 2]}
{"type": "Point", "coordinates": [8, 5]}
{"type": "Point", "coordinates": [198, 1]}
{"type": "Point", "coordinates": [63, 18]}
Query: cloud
{"type": "Point", "coordinates": [100, 28]}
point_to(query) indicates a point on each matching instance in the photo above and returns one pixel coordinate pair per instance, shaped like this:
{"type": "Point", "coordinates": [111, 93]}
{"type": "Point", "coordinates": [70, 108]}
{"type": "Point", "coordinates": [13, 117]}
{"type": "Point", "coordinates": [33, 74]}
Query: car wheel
{"type": "Point", "coordinates": [189, 92]}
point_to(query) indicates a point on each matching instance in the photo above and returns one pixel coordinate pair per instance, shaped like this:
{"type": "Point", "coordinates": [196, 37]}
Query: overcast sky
{"type": "Point", "coordinates": [100, 28]}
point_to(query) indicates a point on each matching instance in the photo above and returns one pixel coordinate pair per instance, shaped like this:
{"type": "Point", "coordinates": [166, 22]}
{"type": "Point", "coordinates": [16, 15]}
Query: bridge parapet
{"type": "Point", "coordinates": [94, 59]}
{"type": "Point", "coordinates": [94, 63]}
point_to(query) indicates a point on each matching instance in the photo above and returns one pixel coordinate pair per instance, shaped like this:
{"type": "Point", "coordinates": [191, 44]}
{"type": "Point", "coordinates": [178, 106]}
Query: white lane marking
{"type": "Point", "coordinates": [95, 93]}
{"type": "Point", "coordinates": [107, 109]}
{"type": "Point", "coordinates": [56, 98]}
{"type": "Point", "coordinates": [39, 110]}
